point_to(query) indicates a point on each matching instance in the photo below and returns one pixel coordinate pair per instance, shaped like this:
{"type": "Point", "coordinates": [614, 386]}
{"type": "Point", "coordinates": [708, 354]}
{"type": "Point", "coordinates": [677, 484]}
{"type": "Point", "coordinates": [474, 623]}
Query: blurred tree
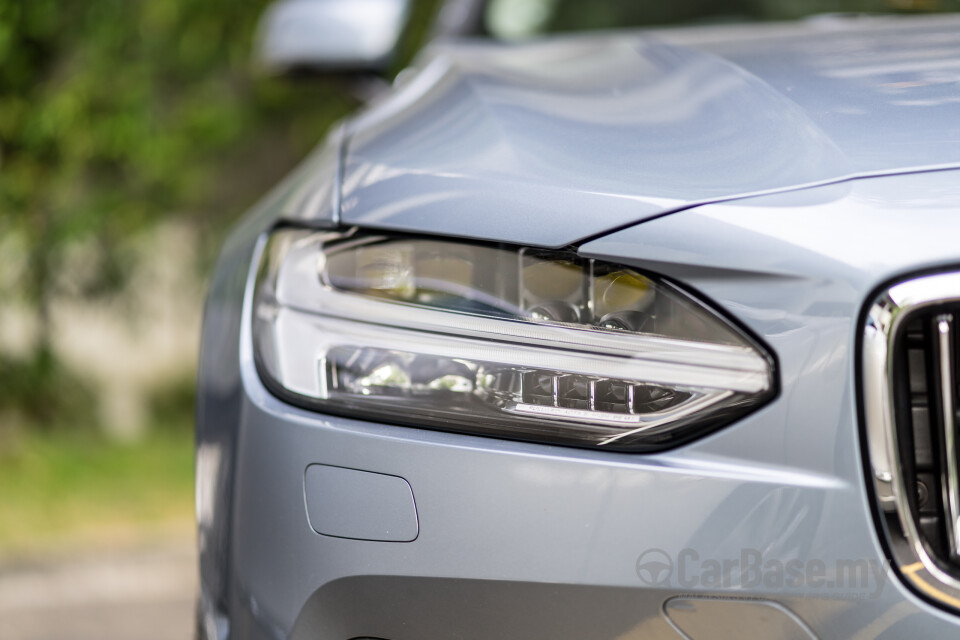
{"type": "Point", "coordinates": [115, 114]}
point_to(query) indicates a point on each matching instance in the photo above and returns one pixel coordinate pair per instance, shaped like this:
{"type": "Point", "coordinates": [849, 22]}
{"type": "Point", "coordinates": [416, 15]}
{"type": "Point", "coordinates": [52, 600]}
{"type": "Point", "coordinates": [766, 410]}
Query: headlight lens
{"type": "Point", "coordinates": [495, 340]}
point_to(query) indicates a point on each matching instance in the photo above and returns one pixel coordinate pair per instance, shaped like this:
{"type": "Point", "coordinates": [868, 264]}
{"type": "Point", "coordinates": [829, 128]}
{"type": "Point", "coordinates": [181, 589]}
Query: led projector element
{"type": "Point", "coordinates": [495, 340]}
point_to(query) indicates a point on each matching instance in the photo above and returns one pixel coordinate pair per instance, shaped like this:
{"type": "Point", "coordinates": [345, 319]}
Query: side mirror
{"type": "Point", "coordinates": [330, 35]}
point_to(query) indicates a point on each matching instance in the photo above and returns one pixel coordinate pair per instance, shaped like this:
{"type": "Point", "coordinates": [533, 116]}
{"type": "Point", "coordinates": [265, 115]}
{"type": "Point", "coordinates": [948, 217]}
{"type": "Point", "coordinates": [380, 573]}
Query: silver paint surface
{"type": "Point", "coordinates": [559, 140]}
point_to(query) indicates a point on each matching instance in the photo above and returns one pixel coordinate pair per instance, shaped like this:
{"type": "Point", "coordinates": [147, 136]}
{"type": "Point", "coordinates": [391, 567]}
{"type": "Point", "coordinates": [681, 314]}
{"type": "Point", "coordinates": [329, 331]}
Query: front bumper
{"type": "Point", "coordinates": [520, 540]}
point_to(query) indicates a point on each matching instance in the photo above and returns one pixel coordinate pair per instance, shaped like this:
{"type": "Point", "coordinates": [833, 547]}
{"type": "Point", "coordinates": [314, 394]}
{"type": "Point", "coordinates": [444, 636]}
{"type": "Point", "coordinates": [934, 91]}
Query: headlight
{"type": "Point", "coordinates": [495, 340]}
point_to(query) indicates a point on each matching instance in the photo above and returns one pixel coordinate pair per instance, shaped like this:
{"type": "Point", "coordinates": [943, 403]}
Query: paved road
{"type": "Point", "coordinates": [142, 595]}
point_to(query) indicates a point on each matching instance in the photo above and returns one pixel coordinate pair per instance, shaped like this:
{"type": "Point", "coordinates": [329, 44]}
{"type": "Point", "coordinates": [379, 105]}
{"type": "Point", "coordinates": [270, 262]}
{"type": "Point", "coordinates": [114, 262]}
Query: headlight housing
{"type": "Point", "coordinates": [497, 340]}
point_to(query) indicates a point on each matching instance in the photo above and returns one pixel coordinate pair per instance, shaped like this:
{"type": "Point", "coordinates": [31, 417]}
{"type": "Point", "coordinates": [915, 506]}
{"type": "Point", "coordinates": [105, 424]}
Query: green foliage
{"type": "Point", "coordinates": [171, 406]}
{"type": "Point", "coordinates": [422, 13]}
{"type": "Point", "coordinates": [117, 113]}
{"type": "Point", "coordinates": [39, 391]}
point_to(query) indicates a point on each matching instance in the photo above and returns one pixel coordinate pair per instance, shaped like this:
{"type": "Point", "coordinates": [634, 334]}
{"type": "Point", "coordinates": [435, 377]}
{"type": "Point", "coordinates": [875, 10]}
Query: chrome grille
{"type": "Point", "coordinates": [910, 345]}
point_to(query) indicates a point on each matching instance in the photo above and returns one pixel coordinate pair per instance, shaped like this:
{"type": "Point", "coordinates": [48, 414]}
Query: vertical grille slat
{"type": "Point", "coordinates": [946, 386]}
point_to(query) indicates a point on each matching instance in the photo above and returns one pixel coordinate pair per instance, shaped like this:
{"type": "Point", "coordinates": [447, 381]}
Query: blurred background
{"type": "Point", "coordinates": [132, 134]}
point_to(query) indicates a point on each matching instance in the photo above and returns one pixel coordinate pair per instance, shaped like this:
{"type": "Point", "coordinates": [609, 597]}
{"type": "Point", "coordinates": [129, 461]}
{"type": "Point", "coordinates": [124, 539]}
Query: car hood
{"type": "Point", "coordinates": [556, 141]}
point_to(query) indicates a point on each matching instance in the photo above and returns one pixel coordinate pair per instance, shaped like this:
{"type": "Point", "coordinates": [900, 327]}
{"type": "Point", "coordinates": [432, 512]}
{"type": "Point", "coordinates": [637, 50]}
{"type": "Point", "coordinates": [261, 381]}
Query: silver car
{"type": "Point", "coordinates": [622, 334]}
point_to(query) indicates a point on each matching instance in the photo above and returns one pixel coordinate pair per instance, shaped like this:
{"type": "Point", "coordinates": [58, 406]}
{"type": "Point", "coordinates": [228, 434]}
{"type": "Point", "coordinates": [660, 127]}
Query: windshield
{"type": "Point", "coordinates": [511, 19]}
